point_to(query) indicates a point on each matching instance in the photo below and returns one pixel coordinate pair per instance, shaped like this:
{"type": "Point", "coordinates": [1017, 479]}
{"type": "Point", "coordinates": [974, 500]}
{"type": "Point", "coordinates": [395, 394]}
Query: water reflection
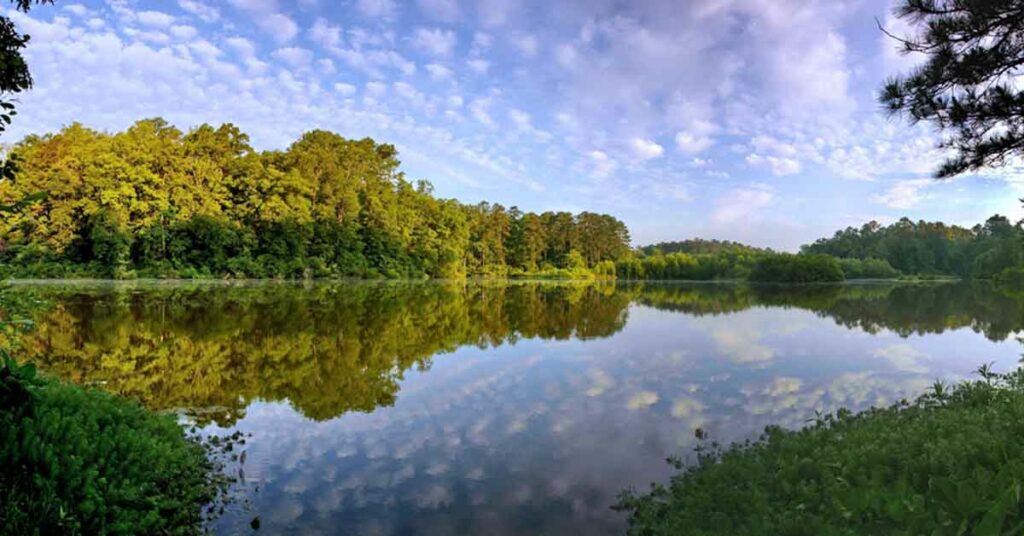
{"type": "Point", "coordinates": [554, 397]}
{"type": "Point", "coordinates": [327, 349]}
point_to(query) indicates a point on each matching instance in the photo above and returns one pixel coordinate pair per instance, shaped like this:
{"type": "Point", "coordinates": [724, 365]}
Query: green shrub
{"type": "Point", "coordinates": [786, 268]}
{"type": "Point", "coordinates": [868, 269]}
{"type": "Point", "coordinates": [80, 461]}
{"type": "Point", "coordinates": [109, 243]}
{"type": "Point", "coordinates": [1011, 276]}
{"type": "Point", "coordinates": [950, 462]}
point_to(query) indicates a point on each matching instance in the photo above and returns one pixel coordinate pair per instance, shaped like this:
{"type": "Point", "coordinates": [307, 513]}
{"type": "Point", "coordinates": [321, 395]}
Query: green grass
{"type": "Point", "coordinates": [949, 463]}
{"type": "Point", "coordinates": [80, 461]}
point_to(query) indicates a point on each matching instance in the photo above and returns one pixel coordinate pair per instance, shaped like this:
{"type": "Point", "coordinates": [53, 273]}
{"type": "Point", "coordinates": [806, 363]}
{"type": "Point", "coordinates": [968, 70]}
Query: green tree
{"type": "Point", "coordinates": [967, 86]}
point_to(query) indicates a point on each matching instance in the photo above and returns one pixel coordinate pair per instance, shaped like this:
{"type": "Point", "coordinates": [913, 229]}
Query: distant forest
{"type": "Point", "coordinates": [931, 248]}
{"type": "Point", "coordinates": [699, 246]}
{"type": "Point", "coordinates": [155, 201]}
{"type": "Point", "coordinates": [905, 248]}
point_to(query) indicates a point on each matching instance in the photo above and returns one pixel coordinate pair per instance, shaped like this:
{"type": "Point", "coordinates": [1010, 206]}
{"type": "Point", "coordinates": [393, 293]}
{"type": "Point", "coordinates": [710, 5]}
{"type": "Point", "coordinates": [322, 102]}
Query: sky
{"type": "Point", "coordinates": [749, 120]}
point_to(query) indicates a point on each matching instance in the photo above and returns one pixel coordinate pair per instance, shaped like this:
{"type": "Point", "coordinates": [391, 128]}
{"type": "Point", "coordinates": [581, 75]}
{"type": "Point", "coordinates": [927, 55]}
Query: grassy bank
{"type": "Point", "coordinates": [950, 462]}
{"type": "Point", "coordinates": [80, 461]}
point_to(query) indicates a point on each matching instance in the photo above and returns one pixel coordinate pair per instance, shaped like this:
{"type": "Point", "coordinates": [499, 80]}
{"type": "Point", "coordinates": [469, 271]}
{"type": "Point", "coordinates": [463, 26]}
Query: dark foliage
{"type": "Point", "coordinates": [785, 268]}
{"type": "Point", "coordinates": [931, 248]}
{"type": "Point", "coordinates": [975, 49]}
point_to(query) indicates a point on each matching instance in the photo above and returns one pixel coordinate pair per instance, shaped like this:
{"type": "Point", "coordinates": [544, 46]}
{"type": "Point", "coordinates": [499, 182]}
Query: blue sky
{"type": "Point", "coordinates": [750, 120]}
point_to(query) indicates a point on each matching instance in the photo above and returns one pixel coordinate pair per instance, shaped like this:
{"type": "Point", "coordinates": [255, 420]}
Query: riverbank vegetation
{"type": "Point", "coordinates": [154, 201]}
{"type": "Point", "coordinates": [77, 460]}
{"type": "Point", "coordinates": [942, 464]}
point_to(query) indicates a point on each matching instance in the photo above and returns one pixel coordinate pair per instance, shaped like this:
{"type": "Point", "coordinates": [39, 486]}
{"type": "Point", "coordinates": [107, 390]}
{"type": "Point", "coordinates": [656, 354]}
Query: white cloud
{"type": "Point", "coordinates": [527, 45]}
{"type": "Point", "coordinates": [155, 19]}
{"type": "Point", "coordinates": [77, 9]}
{"type": "Point", "coordinates": [325, 34]}
{"type": "Point", "coordinates": [689, 143]}
{"type": "Point", "coordinates": [645, 149]}
{"type": "Point", "coordinates": [480, 110]}
{"type": "Point", "coordinates": [903, 357]}
{"type": "Point", "coordinates": [478, 66]}
{"type": "Point", "coordinates": [264, 14]}
{"type": "Point", "coordinates": [642, 399]}
{"type": "Point", "coordinates": [205, 12]}
{"type": "Point", "coordinates": [779, 166]}
{"type": "Point", "coordinates": [904, 194]}
{"type": "Point", "coordinates": [442, 10]}
{"type": "Point", "coordinates": [184, 32]}
{"type": "Point", "coordinates": [438, 72]}
{"type": "Point", "coordinates": [407, 91]}
{"type": "Point", "coordinates": [243, 46]}
{"type": "Point", "coordinates": [385, 9]}
{"type": "Point", "coordinates": [494, 13]}
{"type": "Point", "coordinates": [520, 118]}
{"type": "Point", "coordinates": [674, 191]}
{"type": "Point", "coordinates": [345, 90]}
{"type": "Point", "coordinates": [434, 41]}
{"type": "Point", "coordinates": [375, 89]}
{"type": "Point", "coordinates": [742, 343]}
{"type": "Point", "coordinates": [740, 203]}
{"type": "Point", "coordinates": [326, 66]}
{"type": "Point", "coordinates": [296, 57]}
{"type": "Point", "coordinates": [281, 27]}
{"type": "Point", "coordinates": [602, 165]}
{"type": "Point", "coordinates": [204, 48]}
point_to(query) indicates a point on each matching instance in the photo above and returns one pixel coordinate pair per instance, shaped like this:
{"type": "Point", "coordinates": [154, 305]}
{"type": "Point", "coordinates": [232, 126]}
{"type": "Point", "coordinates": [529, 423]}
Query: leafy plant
{"type": "Point", "coordinates": [948, 463]}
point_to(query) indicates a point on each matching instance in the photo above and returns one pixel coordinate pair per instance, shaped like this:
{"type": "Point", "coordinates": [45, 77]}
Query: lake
{"type": "Point", "coordinates": [500, 408]}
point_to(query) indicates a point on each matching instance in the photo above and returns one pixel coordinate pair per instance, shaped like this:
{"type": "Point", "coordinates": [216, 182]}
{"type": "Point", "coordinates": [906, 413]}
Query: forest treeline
{"type": "Point", "coordinates": [992, 250]}
{"type": "Point", "coordinates": [698, 246]}
{"type": "Point", "coordinates": [931, 248]}
{"type": "Point", "coordinates": [155, 201]}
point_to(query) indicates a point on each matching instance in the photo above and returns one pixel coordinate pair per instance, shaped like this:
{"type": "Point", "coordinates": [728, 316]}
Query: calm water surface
{"type": "Point", "coordinates": [486, 408]}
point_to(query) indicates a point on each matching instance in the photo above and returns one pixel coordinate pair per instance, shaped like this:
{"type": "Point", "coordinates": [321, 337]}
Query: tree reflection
{"type": "Point", "coordinates": [328, 349]}
{"type": "Point", "coordinates": [211, 349]}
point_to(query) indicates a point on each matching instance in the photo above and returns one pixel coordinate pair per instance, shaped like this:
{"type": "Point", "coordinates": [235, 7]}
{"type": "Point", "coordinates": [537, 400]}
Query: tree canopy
{"type": "Point", "coordinates": [966, 87]}
{"type": "Point", "coordinates": [159, 201]}
{"type": "Point", "coordinates": [931, 247]}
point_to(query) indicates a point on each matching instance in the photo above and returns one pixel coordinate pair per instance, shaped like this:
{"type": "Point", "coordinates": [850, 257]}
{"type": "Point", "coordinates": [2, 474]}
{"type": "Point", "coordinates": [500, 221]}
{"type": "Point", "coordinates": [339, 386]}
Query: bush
{"type": "Point", "coordinates": [786, 268]}
{"type": "Point", "coordinates": [948, 463]}
{"type": "Point", "coordinates": [868, 269]}
{"type": "Point", "coordinates": [79, 461]}
{"type": "Point", "coordinates": [1011, 276]}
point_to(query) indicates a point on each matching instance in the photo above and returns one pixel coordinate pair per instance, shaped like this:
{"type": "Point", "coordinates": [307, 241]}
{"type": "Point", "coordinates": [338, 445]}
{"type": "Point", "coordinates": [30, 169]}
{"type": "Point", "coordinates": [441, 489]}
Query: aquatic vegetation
{"type": "Point", "coordinates": [949, 462]}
